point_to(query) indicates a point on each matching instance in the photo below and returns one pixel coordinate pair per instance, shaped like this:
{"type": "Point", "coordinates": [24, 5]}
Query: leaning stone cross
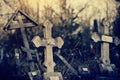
{"type": "Point", "coordinates": [48, 42]}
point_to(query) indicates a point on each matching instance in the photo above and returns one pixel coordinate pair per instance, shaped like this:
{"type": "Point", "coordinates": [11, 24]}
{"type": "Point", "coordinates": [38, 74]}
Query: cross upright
{"type": "Point", "coordinates": [105, 47]}
{"type": "Point", "coordinates": [48, 42]}
{"type": "Point", "coordinates": [49, 63]}
{"type": "Point", "coordinates": [105, 40]}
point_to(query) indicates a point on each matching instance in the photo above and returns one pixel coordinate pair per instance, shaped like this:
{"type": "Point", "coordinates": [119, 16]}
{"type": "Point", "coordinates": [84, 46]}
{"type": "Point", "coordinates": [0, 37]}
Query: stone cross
{"type": "Point", "coordinates": [106, 40]}
{"type": "Point", "coordinates": [49, 63]}
{"type": "Point", "coordinates": [48, 42]}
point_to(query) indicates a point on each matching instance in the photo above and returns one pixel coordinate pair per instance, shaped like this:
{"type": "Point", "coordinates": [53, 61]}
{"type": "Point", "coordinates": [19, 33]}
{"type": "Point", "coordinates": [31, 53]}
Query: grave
{"type": "Point", "coordinates": [105, 40]}
{"type": "Point", "coordinates": [48, 42]}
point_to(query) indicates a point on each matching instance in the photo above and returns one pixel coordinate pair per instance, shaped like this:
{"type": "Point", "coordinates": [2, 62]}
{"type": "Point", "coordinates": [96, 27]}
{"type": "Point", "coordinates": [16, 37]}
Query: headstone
{"type": "Point", "coordinates": [48, 42]}
{"type": "Point", "coordinates": [106, 40]}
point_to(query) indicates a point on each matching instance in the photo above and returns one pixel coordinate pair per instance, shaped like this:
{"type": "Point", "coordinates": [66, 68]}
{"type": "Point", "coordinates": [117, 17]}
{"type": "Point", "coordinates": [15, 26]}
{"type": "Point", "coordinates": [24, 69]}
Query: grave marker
{"type": "Point", "coordinates": [48, 42]}
{"type": "Point", "coordinates": [21, 20]}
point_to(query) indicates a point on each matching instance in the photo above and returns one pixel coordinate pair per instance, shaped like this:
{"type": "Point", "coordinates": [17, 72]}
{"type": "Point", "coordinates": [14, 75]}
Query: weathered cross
{"type": "Point", "coordinates": [106, 40]}
{"type": "Point", "coordinates": [21, 20]}
{"type": "Point", "coordinates": [49, 43]}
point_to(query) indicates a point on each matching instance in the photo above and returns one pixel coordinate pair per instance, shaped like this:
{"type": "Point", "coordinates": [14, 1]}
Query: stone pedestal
{"type": "Point", "coordinates": [52, 76]}
{"type": "Point", "coordinates": [108, 68]}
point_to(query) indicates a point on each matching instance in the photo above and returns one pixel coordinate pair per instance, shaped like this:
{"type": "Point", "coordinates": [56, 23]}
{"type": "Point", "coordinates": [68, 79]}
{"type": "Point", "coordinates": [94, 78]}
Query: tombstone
{"type": "Point", "coordinates": [105, 58]}
{"type": "Point", "coordinates": [21, 20]}
{"type": "Point", "coordinates": [48, 42]}
{"type": "Point", "coordinates": [105, 40]}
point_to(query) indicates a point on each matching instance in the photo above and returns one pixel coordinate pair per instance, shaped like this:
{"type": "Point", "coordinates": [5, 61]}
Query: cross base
{"type": "Point", "coordinates": [52, 76]}
{"type": "Point", "coordinates": [108, 68]}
